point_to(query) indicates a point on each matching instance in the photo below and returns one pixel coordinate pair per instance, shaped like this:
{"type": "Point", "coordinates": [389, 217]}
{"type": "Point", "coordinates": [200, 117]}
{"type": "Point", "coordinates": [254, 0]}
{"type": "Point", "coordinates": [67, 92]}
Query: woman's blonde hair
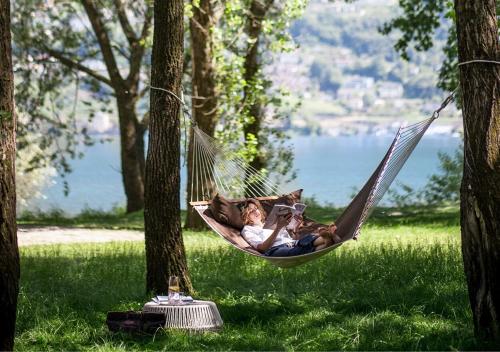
{"type": "Point", "coordinates": [245, 214]}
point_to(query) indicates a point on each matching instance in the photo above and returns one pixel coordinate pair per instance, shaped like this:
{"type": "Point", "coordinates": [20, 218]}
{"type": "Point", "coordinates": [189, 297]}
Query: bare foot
{"type": "Point", "coordinates": [326, 235]}
{"type": "Point", "coordinates": [329, 235]}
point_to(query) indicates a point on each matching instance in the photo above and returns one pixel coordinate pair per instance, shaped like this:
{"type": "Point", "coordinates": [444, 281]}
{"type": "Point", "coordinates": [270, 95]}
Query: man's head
{"type": "Point", "coordinates": [253, 212]}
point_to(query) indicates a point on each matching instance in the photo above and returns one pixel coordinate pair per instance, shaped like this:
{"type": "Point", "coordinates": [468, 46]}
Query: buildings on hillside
{"type": "Point", "coordinates": [359, 93]}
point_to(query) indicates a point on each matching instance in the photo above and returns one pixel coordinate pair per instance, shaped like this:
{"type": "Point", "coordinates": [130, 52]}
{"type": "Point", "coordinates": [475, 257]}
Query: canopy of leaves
{"type": "Point", "coordinates": [231, 46]}
{"type": "Point", "coordinates": [416, 27]}
{"type": "Point", "coordinates": [62, 79]}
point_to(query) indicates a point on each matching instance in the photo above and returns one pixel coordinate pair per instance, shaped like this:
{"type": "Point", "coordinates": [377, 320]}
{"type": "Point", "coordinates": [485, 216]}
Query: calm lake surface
{"type": "Point", "coordinates": [328, 168]}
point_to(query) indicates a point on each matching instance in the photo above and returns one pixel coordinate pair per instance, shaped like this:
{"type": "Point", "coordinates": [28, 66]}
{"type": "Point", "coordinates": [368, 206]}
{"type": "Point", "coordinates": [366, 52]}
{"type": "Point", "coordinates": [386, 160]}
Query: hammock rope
{"type": "Point", "coordinates": [227, 171]}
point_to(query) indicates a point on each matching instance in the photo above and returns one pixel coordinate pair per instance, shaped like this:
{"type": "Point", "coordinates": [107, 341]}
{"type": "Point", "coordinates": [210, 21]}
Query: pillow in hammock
{"type": "Point", "coordinates": [226, 212]}
{"type": "Point", "coordinates": [290, 198]}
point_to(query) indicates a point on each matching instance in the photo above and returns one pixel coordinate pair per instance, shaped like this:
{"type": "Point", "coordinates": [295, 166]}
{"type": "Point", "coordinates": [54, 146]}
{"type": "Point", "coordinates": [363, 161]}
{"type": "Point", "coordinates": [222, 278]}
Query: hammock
{"type": "Point", "coordinates": [217, 169]}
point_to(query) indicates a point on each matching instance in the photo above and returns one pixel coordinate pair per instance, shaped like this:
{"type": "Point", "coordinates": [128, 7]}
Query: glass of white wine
{"type": "Point", "coordinates": [173, 290]}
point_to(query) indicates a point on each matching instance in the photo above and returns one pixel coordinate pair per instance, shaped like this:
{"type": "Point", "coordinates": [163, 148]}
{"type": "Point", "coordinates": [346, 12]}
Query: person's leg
{"type": "Point", "coordinates": [302, 246]}
{"type": "Point", "coordinates": [271, 251]}
{"type": "Point", "coordinates": [284, 251]}
{"type": "Point", "coordinates": [319, 242]}
{"type": "Point", "coordinates": [328, 235]}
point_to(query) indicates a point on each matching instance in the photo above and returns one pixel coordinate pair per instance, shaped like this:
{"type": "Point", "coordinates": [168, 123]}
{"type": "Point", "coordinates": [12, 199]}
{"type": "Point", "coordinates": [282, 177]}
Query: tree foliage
{"type": "Point", "coordinates": [67, 81]}
{"type": "Point", "coordinates": [30, 184]}
{"type": "Point", "coordinates": [417, 26]}
{"type": "Point", "coordinates": [73, 59]}
{"type": "Point", "coordinates": [46, 87]}
{"type": "Point", "coordinates": [237, 94]}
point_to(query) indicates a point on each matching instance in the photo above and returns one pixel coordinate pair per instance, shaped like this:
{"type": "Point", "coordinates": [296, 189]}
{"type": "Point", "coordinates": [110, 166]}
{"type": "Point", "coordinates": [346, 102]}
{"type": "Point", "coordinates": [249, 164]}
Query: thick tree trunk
{"type": "Point", "coordinates": [165, 253]}
{"type": "Point", "coordinates": [204, 93]}
{"type": "Point", "coordinates": [480, 193]}
{"type": "Point", "coordinates": [252, 67]}
{"type": "Point", "coordinates": [9, 254]}
{"type": "Point", "coordinates": [132, 153]}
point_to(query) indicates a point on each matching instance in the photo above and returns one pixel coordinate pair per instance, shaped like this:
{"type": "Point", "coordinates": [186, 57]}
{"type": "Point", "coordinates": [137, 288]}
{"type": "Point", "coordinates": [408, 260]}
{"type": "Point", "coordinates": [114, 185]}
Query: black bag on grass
{"type": "Point", "coordinates": [135, 321]}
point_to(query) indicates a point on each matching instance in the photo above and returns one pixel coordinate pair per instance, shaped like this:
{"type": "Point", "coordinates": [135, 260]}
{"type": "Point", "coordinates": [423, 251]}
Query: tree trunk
{"type": "Point", "coordinates": [9, 253]}
{"type": "Point", "coordinates": [204, 94]}
{"type": "Point", "coordinates": [132, 152]}
{"type": "Point", "coordinates": [252, 68]}
{"type": "Point", "coordinates": [480, 192]}
{"type": "Point", "coordinates": [165, 253]}
{"type": "Point", "coordinates": [126, 92]}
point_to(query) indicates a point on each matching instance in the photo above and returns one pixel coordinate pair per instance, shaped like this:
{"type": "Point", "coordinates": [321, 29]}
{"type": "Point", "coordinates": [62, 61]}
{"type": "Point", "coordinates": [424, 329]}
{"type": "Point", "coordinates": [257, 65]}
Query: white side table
{"type": "Point", "coordinates": [197, 315]}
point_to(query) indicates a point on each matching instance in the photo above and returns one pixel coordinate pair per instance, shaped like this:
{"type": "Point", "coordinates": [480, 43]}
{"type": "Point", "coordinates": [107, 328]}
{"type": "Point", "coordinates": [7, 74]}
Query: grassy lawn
{"type": "Point", "coordinates": [400, 287]}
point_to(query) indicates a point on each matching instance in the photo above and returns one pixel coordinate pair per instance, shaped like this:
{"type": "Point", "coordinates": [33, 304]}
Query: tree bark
{"type": "Point", "coordinates": [9, 253]}
{"type": "Point", "coordinates": [480, 191]}
{"type": "Point", "coordinates": [165, 253]}
{"type": "Point", "coordinates": [252, 67]}
{"type": "Point", "coordinates": [204, 99]}
{"type": "Point", "coordinates": [131, 152]}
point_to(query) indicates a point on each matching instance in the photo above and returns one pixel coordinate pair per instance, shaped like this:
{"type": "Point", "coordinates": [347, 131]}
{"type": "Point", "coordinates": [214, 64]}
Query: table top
{"type": "Point", "coordinates": [180, 305]}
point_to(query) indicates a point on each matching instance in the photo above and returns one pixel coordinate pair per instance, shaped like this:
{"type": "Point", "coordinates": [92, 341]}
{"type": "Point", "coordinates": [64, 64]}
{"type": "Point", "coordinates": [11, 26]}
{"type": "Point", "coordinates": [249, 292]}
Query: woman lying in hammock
{"type": "Point", "coordinates": [278, 242]}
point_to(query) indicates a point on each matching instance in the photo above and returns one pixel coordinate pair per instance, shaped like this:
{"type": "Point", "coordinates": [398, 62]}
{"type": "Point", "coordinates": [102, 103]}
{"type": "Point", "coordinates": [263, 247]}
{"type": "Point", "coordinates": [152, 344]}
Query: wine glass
{"type": "Point", "coordinates": [173, 290]}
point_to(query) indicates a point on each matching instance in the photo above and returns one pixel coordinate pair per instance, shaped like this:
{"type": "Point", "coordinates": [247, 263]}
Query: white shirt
{"type": "Point", "coordinates": [255, 235]}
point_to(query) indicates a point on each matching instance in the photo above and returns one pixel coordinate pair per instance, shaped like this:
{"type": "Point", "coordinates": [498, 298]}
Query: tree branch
{"type": "Point", "coordinates": [104, 43]}
{"type": "Point", "coordinates": [148, 16]}
{"type": "Point", "coordinates": [125, 23]}
{"type": "Point", "coordinates": [143, 92]}
{"type": "Point", "coordinates": [138, 49]}
{"type": "Point", "coordinates": [77, 66]}
{"type": "Point", "coordinates": [121, 51]}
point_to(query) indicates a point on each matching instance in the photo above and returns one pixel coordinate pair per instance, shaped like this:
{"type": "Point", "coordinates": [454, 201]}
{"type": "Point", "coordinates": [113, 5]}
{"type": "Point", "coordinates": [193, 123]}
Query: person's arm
{"type": "Point", "coordinates": [282, 222]}
{"type": "Point", "coordinates": [295, 231]}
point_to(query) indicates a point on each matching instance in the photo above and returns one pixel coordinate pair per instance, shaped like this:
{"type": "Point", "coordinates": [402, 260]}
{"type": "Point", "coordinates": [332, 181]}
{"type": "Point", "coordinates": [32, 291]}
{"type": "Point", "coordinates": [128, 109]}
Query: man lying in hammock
{"type": "Point", "coordinates": [278, 242]}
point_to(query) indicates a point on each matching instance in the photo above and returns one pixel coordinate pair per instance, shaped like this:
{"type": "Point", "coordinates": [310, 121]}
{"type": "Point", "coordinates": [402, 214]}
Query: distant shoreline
{"type": "Point", "coordinates": [346, 126]}
{"type": "Point", "coordinates": [349, 126]}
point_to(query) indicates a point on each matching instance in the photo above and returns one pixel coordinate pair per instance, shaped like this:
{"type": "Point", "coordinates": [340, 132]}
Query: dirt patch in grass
{"type": "Point", "coordinates": [28, 235]}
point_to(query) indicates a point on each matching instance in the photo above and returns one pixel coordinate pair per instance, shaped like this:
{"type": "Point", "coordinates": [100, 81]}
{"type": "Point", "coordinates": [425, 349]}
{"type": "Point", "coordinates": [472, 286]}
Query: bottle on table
{"type": "Point", "coordinates": [174, 290]}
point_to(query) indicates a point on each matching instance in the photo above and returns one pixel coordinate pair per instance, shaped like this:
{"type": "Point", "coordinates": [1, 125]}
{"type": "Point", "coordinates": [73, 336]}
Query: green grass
{"type": "Point", "coordinates": [400, 287]}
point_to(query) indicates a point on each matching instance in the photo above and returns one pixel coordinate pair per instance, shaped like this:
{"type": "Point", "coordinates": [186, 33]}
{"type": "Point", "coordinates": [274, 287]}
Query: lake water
{"type": "Point", "coordinates": [328, 168]}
